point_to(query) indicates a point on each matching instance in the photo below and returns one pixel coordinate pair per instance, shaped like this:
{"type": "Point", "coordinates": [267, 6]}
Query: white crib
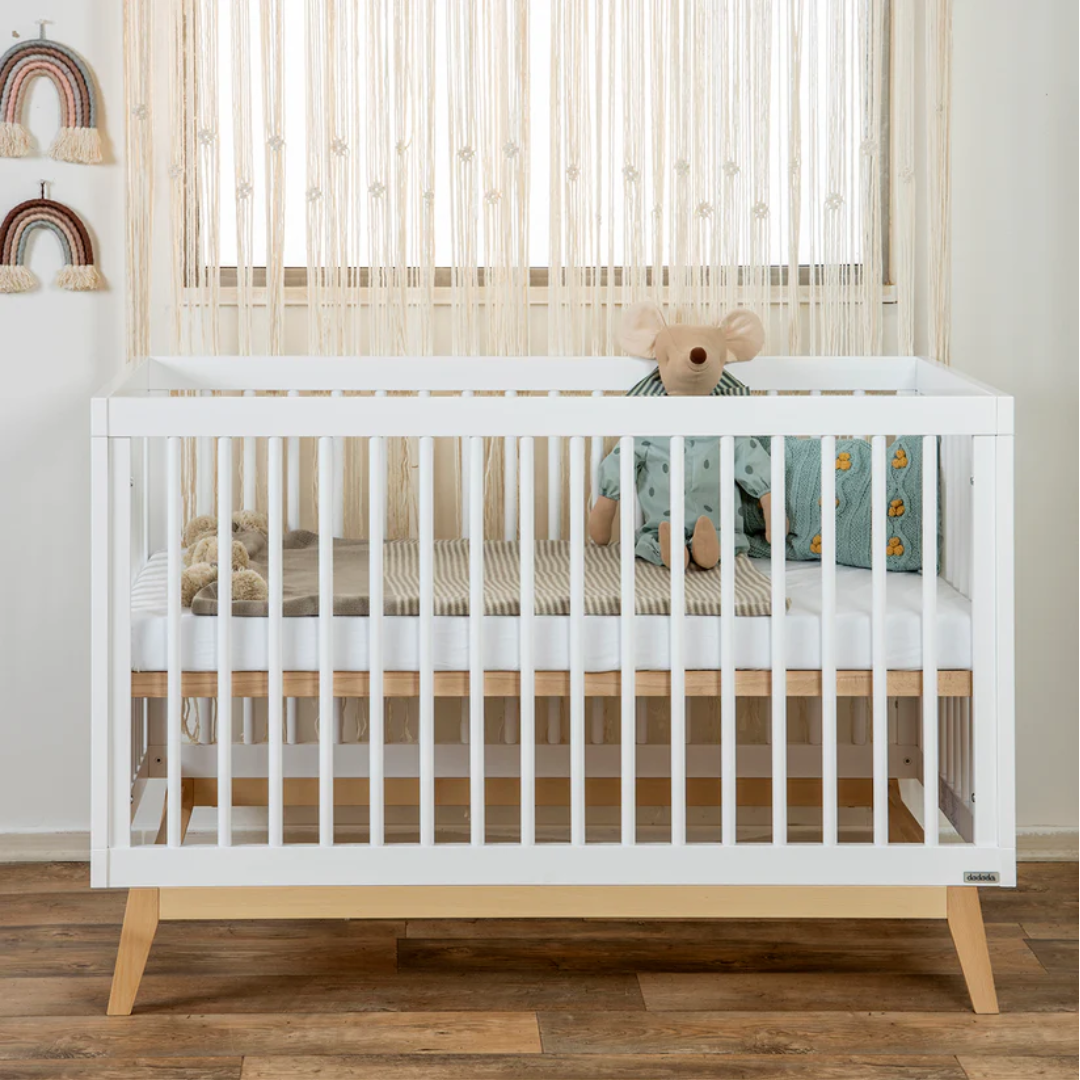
{"type": "Point", "coordinates": [576, 803]}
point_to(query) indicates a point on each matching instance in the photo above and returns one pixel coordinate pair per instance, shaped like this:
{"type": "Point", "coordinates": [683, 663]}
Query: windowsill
{"type": "Point", "coordinates": [297, 296]}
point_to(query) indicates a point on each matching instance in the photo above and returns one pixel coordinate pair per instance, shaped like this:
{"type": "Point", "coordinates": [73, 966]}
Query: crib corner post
{"type": "Point", "coordinates": [964, 914]}
{"type": "Point", "coordinates": [136, 937]}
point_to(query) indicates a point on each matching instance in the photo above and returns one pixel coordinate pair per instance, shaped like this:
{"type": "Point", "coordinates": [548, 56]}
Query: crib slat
{"type": "Point", "coordinates": [476, 641]}
{"type": "Point", "coordinates": [728, 760]}
{"type": "Point", "coordinates": [327, 709]}
{"type": "Point", "coordinates": [596, 454]}
{"type": "Point", "coordinates": [427, 621]}
{"type": "Point", "coordinates": [554, 479]}
{"type": "Point", "coordinates": [466, 530]}
{"type": "Point", "coordinates": [339, 478]}
{"type": "Point", "coordinates": [249, 496]}
{"type": "Point", "coordinates": [275, 524]}
{"type": "Point", "coordinates": [527, 645]}
{"type": "Point", "coordinates": [880, 716]}
{"type": "Point", "coordinates": [577, 640]}
{"type": "Point", "coordinates": [174, 525]}
{"type": "Point", "coordinates": [829, 814]}
{"type": "Point", "coordinates": [466, 479]}
{"type": "Point", "coordinates": [778, 650]}
{"type": "Point", "coordinates": [224, 643]}
{"type": "Point", "coordinates": [510, 490]}
{"type": "Point", "coordinates": [627, 601]}
{"type": "Point", "coordinates": [677, 629]}
{"type": "Point", "coordinates": [511, 709]}
{"type": "Point", "coordinates": [376, 702]}
{"type": "Point", "coordinates": [929, 640]}
{"type": "Point", "coordinates": [292, 516]}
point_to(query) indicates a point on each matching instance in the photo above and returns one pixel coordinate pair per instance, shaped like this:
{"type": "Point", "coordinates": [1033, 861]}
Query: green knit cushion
{"type": "Point", "coordinates": [903, 486]}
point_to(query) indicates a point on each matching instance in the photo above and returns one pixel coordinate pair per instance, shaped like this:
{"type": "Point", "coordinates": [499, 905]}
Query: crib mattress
{"type": "Point", "coordinates": [401, 649]}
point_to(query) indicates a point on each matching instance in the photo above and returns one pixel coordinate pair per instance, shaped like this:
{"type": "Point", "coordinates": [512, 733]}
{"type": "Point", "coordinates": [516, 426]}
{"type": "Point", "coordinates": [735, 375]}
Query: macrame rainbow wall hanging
{"type": "Point", "coordinates": [78, 273]}
{"type": "Point", "coordinates": [79, 139]}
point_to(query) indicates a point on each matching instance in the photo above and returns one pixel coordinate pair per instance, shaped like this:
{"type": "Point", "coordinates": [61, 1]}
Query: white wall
{"type": "Point", "coordinates": [1014, 324]}
{"type": "Point", "coordinates": [56, 348]}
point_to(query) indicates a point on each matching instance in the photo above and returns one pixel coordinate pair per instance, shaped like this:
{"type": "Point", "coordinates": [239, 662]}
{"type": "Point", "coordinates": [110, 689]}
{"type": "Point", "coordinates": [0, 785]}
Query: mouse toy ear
{"type": "Point", "coordinates": [639, 327]}
{"type": "Point", "coordinates": [745, 334]}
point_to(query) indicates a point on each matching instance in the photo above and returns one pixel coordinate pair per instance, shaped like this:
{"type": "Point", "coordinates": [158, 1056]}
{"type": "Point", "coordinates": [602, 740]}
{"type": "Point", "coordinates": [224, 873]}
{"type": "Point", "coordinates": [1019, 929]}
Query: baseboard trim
{"type": "Point", "coordinates": [1034, 844]}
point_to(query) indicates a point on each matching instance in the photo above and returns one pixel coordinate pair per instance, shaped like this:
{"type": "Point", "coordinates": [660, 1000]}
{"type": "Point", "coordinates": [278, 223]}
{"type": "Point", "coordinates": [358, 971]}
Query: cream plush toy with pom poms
{"type": "Point", "coordinates": [201, 557]}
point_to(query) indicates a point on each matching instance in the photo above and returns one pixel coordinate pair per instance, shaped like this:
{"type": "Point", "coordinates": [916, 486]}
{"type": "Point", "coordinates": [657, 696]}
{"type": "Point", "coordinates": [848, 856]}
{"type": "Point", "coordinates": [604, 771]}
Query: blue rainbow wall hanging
{"type": "Point", "coordinates": [78, 272]}
{"type": "Point", "coordinates": [79, 139]}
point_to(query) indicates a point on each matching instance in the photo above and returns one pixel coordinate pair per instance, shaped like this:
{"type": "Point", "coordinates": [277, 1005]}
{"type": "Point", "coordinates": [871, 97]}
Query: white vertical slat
{"type": "Point", "coordinates": [554, 480]}
{"type": "Point", "coordinates": [554, 532]}
{"type": "Point", "coordinates": [778, 645]}
{"type": "Point", "coordinates": [427, 624]}
{"type": "Point", "coordinates": [527, 660]}
{"type": "Point", "coordinates": [465, 720]}
{"type": "Point", "coordinates": [224, 643]}
{"type": "Point", "coordinates": [577, 640]}
{"type": "Point", "coordinates": [627, 612]}
{"type": "Point", "coordinates": [880, 715]}
{"type": "Point", "coordinates": [327, 711]}
{"type": "Point", "coordinates": [120, 650]}
{"type": "Point", "coordinates": [144, 501]}
{"type": "Point", "coordinates": [292, 517]}
{"type": "Point", "coordinates": [929, 640]}
{"type": "Point", "coordinates": [275, 689]}
{"type": "Point", "coordinates": [829, 814]}
{"type": "Point", "coordinates": [677, 631]}
{"type": "Point", "coordinates": [339, 478]}
{"type": "Point", "coordinates": [511, 708]}
{"type": "Point", "coordinates": [984, 601]}
{"type": "Point", "coordinates": [376, 701]}
{"type": "Point", "coordinates": [174, 527]}
{"type": "Point", "coordinates": [728, 756]}
{"type": "Point", "coordinates": [476, 642]}
{"type": "Point", "coordinates": [249, 497]}
{"type": "Point", "coordinates": [510, 482]}
{"type": "Point", "coordinates": [596, 454]}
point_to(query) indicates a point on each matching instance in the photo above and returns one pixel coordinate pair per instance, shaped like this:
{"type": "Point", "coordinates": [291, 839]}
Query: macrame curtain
{"type": "Point", "coordinates": [705, 154]}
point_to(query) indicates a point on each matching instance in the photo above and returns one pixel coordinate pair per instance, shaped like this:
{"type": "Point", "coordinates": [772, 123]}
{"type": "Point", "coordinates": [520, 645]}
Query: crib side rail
{"type": "Point", "coordinates": [577, 420]}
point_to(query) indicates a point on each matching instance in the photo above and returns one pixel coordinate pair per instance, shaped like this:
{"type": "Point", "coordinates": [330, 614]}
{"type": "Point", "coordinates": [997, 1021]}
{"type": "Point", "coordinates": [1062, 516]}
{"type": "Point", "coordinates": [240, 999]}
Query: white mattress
{"type": "Point", "coordinates": [903, 633]}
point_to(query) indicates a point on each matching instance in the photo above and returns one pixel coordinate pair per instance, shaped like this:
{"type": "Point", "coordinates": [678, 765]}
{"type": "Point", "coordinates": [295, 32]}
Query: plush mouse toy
{"type": "Point", "coordinates": [690, 361]}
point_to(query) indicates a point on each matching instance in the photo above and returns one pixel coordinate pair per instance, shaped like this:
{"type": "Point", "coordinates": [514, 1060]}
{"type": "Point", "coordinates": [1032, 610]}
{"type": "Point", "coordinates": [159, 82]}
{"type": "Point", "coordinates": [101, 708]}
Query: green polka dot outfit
{"type": "Point", "coordinates": [652, 472]}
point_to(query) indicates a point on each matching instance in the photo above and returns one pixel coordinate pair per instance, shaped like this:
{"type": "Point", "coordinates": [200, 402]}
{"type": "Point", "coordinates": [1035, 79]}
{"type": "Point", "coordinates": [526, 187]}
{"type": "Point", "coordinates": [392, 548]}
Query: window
{"type": "Point", "coordinates": [836, 120]}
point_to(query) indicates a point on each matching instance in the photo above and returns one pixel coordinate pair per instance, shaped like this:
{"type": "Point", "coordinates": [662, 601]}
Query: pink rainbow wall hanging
{"type": "Point", "coordinates": [79, 139]}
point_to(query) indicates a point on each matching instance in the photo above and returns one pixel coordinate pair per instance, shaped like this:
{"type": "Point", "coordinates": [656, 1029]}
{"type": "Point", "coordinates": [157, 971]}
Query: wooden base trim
{"type": "Point", "coordinates": [137, 935]}
{"type": "Point", "coordinates": [550, 791]}
{"type": "Point", "coordinates": [556, 901]}
{"type": "Point", "coordinates": [454, 684]}
{"type": "Point", "coordinates": [969, 936]}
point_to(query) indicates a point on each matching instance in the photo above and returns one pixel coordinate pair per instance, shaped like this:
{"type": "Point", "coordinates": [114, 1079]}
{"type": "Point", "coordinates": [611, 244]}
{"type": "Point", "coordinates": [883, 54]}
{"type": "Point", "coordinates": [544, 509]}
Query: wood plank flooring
{"type": "Point", "coordinates": [513, 999]}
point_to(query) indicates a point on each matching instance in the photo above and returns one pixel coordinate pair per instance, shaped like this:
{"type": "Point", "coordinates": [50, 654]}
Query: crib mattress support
{"type": "Point", "coordinates": [750, 683]}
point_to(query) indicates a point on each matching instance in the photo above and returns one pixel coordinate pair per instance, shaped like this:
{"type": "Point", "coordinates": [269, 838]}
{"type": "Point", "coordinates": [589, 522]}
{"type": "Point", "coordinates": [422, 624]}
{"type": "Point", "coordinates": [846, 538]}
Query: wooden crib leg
{"type": "Point", "coordinates": [969, 936]}
{"type": "Point", "coordinates": [136, 937]}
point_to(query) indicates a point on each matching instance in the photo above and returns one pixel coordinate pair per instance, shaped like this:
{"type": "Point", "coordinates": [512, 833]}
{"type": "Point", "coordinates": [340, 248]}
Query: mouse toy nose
{"type": "Point", "coordinates": [698, 355]}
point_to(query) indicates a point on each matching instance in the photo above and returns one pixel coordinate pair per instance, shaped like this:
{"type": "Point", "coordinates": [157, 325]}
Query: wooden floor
{"type": "Point", "coordinates": [507, 999]}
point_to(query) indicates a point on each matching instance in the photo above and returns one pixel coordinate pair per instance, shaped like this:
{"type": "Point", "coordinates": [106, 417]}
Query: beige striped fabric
{"type": "Point", "coordinates": [401, 574]}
